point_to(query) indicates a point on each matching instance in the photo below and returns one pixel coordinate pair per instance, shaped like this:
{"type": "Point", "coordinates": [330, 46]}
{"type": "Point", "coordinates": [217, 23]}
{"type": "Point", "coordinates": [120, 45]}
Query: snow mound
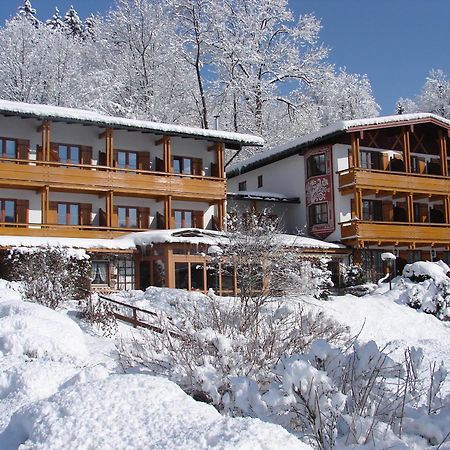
{"type": "Point", "coordinates": [38, 332]}
{"type": "Point", "coordinates": [436, 271]}
{"type": "Point", "coordinates": [136, 411]}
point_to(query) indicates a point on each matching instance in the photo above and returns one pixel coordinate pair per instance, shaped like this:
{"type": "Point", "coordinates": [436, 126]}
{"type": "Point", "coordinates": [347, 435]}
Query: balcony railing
{"type": "Point", "coordinates": [31, 173]}
{"type": "Point", "coordinates": [382, 180]}
{"type": "Point", "coordinates": [422, 233]}
{"type": "Point", "coordinates": [57, 230]}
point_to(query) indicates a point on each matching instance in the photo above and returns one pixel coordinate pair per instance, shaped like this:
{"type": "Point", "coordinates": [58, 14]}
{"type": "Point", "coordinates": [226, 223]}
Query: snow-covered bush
{"type": "Point", "coordinates": [353, 275]}
{"type": "Point", "coordinates": [205, 346]}
{"type": "Point", "coordinates": [50, 275]}
{"type": "Point", "coordinates": [100, 314]}
{"type": "Point", "coordinates": [426, 287]}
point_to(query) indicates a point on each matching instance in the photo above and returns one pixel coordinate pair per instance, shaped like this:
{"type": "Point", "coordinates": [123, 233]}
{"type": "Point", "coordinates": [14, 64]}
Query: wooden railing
{"type": "Point", "coordinates": [393, 181]}
{"type": "Point", "coordinates": [134, 315]}
{"type": "Point", "coordinates": [35, 174]}
{"type": "Point", "coordinates": [396, 232]}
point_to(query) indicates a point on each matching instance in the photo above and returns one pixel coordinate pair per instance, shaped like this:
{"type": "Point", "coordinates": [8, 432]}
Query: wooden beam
{"type": "Point", "coordinates": [44, 128]}
{"type": "Point", "coordinates": [410, 207]}
{"type": "Point", "coordinates": [161, 140]}
{"type": "Point", "coordinates": [45, 203]}
{"type": "Point", "coordinates": [406, 149]}
{"type": "Point", "coordinates": [447, 209]}
{"type": "Point", "coordinates": [109, 207]}
{"type": "Point", "coordinates": [109, 147]}
{"type": "Point", "coordinates": [358, 204]}
{"type": "Point", "coordinates": [167, 154]}
{"type": "Point", "coordinates": [443, 153]}
{"type": "Point", "coordinates": [168, 212]}
{"type": "Point", "coordinates": [355, 150]}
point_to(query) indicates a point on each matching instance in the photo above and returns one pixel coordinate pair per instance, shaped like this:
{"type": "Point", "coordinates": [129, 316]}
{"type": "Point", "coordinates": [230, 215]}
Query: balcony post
{"type": "Point", "coordinates": [443, 153]}
{"type": "Point", "coordinates": [447, 209]}
{"type": "Point", "coordinates": [220, 159]}
{"type": "Point", "coordinates": [109, 147]}
{"type": "Point", "coordinates": [410, 207]}
{"type": "Point", "coordinates": [221, 214]}
{"type": "Point", "coordinates": [44, 129]}
{"type": "Point", "coordinates": [355, 150]}
{"type": "Point", "coordinates": [109, 208]}
{"type": "Point", "coordinates": [406, 149]}
{"type": "Point", "coordinates": [358, 204]}
{"type": "Point", "coordinates": [45, 195]}
{"type": "Point", "coordinates": [167, 212]}
{"type": "Point", "coordinates": [167, 154]}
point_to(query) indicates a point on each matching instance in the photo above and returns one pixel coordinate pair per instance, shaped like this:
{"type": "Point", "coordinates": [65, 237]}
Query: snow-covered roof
{"type": "Point", "coordinates": [194, 236]}
{"type": "Point", "coordinates": [49, 112]}
{"type": "Point", "coordinates": [290, 148]}
{"type": "Point", "coordinates": [260, 195]}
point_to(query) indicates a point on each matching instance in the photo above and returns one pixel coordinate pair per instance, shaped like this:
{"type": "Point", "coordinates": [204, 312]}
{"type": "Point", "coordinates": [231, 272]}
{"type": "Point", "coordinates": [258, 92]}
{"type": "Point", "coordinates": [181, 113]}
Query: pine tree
{"type": "Point", "coordinates": [56, 22]}
{"type": "Point", "coordinates": [73, 23]}
{"type": "Point", "coordinates": [90, 27]}
{"type": "Point", "coordinates": [28, 12]}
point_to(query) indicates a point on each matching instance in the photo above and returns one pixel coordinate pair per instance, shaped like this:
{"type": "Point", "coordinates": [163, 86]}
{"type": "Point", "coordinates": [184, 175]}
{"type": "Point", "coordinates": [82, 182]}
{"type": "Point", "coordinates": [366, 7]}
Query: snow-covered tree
{"type": "Point", "coordinates": [28, 12]}
{"type": "Point", "coordinates": [434, 97]}
{"type": "Point", "coordinates": [344, 96]}
{"type": "Point", "coordinates": [56, 22]}
{"type": "Point", "coordinates": [73, 23]}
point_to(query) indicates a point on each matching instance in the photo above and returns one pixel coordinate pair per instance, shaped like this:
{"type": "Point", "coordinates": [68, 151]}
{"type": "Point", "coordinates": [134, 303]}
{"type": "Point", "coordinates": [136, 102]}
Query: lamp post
{"type": "Point", "coordinates": [390, 260]}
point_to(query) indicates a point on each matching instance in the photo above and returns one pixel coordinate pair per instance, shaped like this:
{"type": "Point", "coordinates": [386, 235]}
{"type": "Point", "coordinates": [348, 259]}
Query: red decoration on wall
{"type": "Point", "coordinates": [319, 189]}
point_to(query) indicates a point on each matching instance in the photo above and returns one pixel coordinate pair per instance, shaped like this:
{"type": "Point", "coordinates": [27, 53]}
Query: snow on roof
{"type": "Point", "coordinates": [84, 116]}
{"type": "Point", "coordinates": [193, 236]}
{"type": "Point", "coordinates": [290, 148]}
{"type": "Point", "coordinates": [260, 195]}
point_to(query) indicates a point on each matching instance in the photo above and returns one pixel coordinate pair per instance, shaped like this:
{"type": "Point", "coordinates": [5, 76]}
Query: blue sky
{"type": "Point", "coordinates": [394, 42]}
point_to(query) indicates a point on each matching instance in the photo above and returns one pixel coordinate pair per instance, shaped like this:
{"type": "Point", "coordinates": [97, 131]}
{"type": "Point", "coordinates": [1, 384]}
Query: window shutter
{"type": "Point", "coordinates": [214, 170]}
{"type": "Point", "coordinates": [197, 166]}
{"type": "Point", "coordinates": [159, 165]}
{"type": "Point", "coordinates": [101, 218]}
{"type": "Point", "coordinates": [350, 159]}
{"type": "Point", "coordinates": [144, 214]}
{"type": "Point", "coordinates": [85, 213]}
{"type": "Point", "coordinates": [144, 161]}
{"type": "Point", "coordinates": [197, 219]}
{"type": "Point", "coordinates": [115, 157]}
{"type": "Point", "coordinates": [102, 158]}
{"type": "Point", "coordinates": [352, 208]}
{"type": "Point", "coordinates": [22, 211]}
{"type": "Point", "coordinates": [115, 219]}
{"type": "Point", "coordinates": [23, 149]}
{"type": "Point", "coordinates": [39, 153]}
{"type": "Point", "coordinates": [388, 211]}
{"type": "Point", "coordinates": [160, 222]}
{"type": "Point", "coordinates": [86, 155]}
{"type": "Point", "coordinates": [53, 213]}
{"type": "Point", "coordinates": [54, 154]}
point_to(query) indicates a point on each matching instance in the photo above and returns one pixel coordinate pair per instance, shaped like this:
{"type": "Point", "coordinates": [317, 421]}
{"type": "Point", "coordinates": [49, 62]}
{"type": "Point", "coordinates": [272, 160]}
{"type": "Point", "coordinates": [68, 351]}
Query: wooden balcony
{"type": "Point", "coordinates": [380, 180]}
{"type": "Point", "coordinates": [100, 179]}
{"type": "Point", "coordinates": [388, 233]}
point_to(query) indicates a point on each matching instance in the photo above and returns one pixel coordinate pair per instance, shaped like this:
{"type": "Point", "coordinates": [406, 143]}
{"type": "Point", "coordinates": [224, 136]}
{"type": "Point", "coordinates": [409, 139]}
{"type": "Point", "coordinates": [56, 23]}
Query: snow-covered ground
{"type": "Point", "coordinates": [62, 388]}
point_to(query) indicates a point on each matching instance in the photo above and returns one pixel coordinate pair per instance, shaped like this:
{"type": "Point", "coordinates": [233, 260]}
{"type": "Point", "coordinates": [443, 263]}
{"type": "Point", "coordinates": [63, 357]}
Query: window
{"type": "Point", "coordinates": [8, 211]}
{"type": "Point", "coordinates": [184, 218]}
{"type": "Point", "coordinates": [260, 181]}
{"type": "Point", "coordinates": [127, 217]}
{"type": "Point", "coordinates": [372, 210]}
{"type": "Point", "coordinates": [8, 148]}
{"type": "Point", "coordinates": [100, 272]}
{"type": "Point", "coordinates": [242, 186]}
{"type": "Point", "coordinates": [127, 159]}
{"type": "Point", "coordinates": [69, 154]}
{"type": "Point", "coordinates": [187, 166]}
{"type": "Point", "coordinates": [125, 275]}
{"type": "Point", "coordinates": [318, 214]}
{"type": "Point", "coordinates": [316, 165]}
{"type": "Point", "coordinates": [68, 213]}
{"type": "Point", "coordinates": [370, 160]}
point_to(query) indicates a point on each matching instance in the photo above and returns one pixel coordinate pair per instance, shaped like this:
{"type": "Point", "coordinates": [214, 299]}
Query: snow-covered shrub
{"type": "Point", "coordinates": [101, 314]}
{"type": "Point", "coordinates": [426, 287]}
{"type": "Point", "coordinates": [205, 347]}
{"type": "Point", "coordinates": [50, 275]}
{"type": "Point", "coordinates": [353, 275]}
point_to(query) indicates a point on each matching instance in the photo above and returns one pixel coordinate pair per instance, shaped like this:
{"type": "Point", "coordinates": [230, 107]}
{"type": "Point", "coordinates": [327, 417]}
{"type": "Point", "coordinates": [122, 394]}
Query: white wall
{"type": "Point", "coordinates": [286, 177]}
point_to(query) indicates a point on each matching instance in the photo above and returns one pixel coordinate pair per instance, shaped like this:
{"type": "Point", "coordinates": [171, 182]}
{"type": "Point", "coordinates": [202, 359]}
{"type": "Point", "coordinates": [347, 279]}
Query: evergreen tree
{"type": "Point", "coordinates": [56, 22]}
{"type": "Point", "coordinates": [90, 27]}
{"type": "Point", "coordinates": [28, 12]}
{"type": "Point", "coordinates": [73, 23]}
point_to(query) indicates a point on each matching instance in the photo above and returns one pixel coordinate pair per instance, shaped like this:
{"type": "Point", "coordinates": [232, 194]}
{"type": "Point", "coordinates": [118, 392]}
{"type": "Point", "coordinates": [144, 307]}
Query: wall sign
{"type": "Point", "coordinates": [319, 189]}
